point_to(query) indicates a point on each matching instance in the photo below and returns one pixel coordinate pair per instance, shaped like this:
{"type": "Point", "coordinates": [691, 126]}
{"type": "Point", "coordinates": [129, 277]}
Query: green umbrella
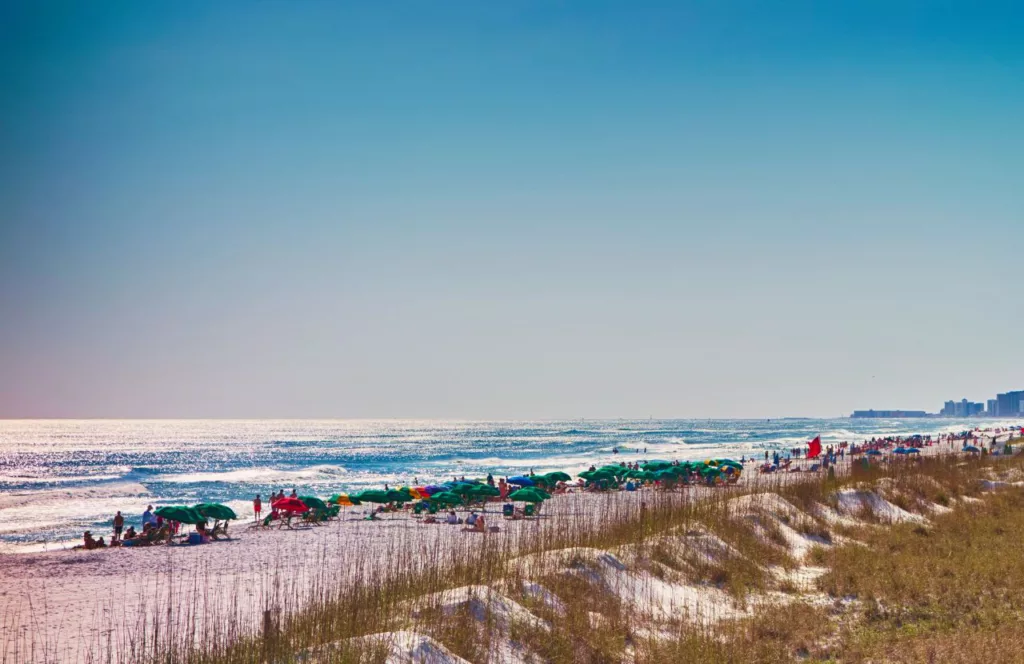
{"type": "Point", "coordinates": [587, 474]}
{"type": "Point", "coordinates": [527, 495]}
{"type": "Point", "coordinates": [483, 491]}
{"type": "Point", "coordinates": [446, 498]}
{"type": "Point", "coordinates": [656, 465]}
{"type": "Point", "coordinates": [396, 496]}
{"type": "Point", "coordinates": [722, 463]}
{"type": "Point", "coordinates": [599, 475]}
{"type": "Point", "coordinates": [180, 514]}
{"type": "Point", "coordinates": [313, 503]}
{"type": "Point", "coordinates": [215, 511]}
{"type": "Point", "coordinates": [372, 496]}
{"type": "Point", "coordinates": [558, 476]}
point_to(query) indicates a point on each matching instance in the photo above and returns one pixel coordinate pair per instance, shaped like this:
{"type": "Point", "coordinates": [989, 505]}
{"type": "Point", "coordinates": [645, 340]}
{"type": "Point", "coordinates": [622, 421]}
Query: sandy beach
{"type": "Point", "coordinates": [72, 604]}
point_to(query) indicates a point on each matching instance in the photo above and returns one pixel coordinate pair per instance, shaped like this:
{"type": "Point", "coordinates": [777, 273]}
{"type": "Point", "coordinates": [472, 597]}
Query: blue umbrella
{"type": "Point", "coordinates": [971, 448]}
{"type": "Point", "coordinates": [913, 450]}
{"type": "Point", "coordinates": [900, 450]}
{"type": "Point", "coordinates": [873, 453]}
{"type": "Point", "coordinates": [521, 481]}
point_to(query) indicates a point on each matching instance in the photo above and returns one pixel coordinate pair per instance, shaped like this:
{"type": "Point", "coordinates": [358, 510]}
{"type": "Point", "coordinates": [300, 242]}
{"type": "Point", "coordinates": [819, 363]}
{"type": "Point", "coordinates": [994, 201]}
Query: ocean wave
{"type": "Point", "coordinates": [256, 475]}
{"type": "Point", "coordinates": [72, 495]}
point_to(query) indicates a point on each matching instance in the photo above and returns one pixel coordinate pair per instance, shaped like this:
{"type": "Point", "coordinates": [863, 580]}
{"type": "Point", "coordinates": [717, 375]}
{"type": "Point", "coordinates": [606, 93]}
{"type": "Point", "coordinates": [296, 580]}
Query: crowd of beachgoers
{"type": "Point", "coordinates": [521, 497]}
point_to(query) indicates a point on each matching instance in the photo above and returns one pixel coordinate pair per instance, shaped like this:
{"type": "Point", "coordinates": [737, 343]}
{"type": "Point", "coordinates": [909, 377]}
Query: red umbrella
{"type": "Point", "coordinates": [290, 505]}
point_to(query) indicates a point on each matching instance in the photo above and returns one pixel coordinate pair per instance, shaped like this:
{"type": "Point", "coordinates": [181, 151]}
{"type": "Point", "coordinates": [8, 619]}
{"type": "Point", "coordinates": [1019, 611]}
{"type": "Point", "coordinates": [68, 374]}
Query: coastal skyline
{"type": "Point", "coordinates": [490, 212]}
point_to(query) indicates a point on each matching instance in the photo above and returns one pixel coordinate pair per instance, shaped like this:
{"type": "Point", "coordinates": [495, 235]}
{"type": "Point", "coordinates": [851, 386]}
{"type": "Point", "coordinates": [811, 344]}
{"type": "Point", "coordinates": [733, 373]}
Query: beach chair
{"type": "Point", "coordinates": [508, 510]}
{"type": "Point", "coordinates": [432, 508]}
{"type": "Point", "coordinates": [417, 509]}
{"type": "Point", "coordinates": [529, 510]}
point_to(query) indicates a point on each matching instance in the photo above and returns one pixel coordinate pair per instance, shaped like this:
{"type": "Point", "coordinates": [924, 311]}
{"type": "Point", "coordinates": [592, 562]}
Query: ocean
{"type": "Point", "coordinates": [61, 477]}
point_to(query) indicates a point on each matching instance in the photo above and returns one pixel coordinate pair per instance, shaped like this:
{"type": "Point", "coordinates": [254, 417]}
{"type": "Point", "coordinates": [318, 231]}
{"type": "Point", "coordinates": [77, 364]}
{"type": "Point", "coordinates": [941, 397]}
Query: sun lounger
{"type": "Point", "coordinates": [508, 510]}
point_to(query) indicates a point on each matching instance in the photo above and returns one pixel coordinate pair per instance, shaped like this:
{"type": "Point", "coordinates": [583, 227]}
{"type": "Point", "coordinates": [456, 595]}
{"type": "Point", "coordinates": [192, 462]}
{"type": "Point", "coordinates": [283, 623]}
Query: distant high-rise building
{"type": "Point", "coordinates": [990, 410]}
{"type": "Point", "coordinates": [1008, 404]}
{"type": "Point", "coordinates": [962, 408]}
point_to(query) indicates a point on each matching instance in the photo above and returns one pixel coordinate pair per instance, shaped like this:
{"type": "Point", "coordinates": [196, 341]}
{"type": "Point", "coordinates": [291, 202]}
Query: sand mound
{"type": "Point", "coordinates": [858, 502]}
{"type": "Point", "coordinates": [482, 603]}
{"type": "Point", "coordinates": [544, 596]}
{"type": "Point", "coordinates": [402, 647]}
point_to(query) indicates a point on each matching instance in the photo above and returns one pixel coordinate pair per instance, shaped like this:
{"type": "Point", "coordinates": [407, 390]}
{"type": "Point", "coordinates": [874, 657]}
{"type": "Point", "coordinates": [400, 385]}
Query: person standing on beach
{"type": "Point", "coordinates": [257, 507]}
{"type": "Point", "coordinates": [147, 518]}
{"type": "Point", "coordinates": [118, 526]}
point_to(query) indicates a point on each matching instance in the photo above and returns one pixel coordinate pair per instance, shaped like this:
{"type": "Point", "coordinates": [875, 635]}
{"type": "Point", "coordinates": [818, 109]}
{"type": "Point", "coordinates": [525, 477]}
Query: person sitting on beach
{"type": "Point", "coordinates": [478, 525]}
{"type": "Point", "coordinates": [471, 519]}
{"type": "Point", "coordinates": [130, 533]}
{"type": "Point", "coordinates": [100, 544]}
{"type": "Point", "coordinates": [452, 518]}
{"type": "Point", "coordinates": [88, 542]}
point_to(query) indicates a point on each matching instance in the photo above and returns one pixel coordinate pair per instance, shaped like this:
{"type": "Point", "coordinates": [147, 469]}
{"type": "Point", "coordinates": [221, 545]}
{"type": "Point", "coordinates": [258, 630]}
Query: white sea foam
{"type": "Point", "coordinates": [257, 475]}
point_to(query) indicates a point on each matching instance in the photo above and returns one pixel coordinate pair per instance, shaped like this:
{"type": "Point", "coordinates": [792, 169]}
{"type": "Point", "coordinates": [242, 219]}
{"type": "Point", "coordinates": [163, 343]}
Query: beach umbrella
{"type": "Point", "coordinates": [599, 475]}
{"type": "Point", "coordinates": [314, 503]}
{"type": "Point", "coordinates": [215, 511]}
{"type": "Point", "coordinates": [730, 462]}
{"type": "Point", "coordinates": [431, 489]}
{"type": "Point", "coordinates": [521, 480]}
{"type": "Point", "coordinates": [290, 505]}
{"type": "Point", "coordinates": [558, 476]}
{"type": "Point", "coordinates": [180, 513]}
{"type": "Point", "coordinates": [396, 496]}
{"type": "Point", "coordinates": [343, 499]}
{"type": "Point", "coordinates": [484, 491]}
{"type": "Point", "coordinates": [446, 498]}
{"type": "Point", "coordinates": [913, 450]}
{"type": "Point", "coordinates": [656, 464]}
{"type": "Point", "coordinates": [526, 496]}
{"type": "Point", "coordinates": [971, 448]}
{"type": "Point", "coordinates": [372, 496]}
{"type": "Point", "coordinates": [873, 453]}
{"type": "Point", "coordinates": [462, 488]}
{"type": "Point", "coordinates": [900, 450]}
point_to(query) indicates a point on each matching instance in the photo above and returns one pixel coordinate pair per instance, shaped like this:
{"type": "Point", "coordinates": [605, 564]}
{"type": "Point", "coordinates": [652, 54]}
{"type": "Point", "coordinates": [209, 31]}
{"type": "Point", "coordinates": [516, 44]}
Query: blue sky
{"type": "Point", "coordinates": [489, 210]}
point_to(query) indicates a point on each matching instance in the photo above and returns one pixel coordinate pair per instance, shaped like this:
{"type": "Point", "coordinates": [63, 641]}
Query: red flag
{"type": "Point", "coordinates": [814, 447]}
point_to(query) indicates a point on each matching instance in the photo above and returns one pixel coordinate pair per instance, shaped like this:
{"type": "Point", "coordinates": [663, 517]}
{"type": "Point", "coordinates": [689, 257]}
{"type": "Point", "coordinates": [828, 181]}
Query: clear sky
{"type": "Point", "coordinates": [509, 209]}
